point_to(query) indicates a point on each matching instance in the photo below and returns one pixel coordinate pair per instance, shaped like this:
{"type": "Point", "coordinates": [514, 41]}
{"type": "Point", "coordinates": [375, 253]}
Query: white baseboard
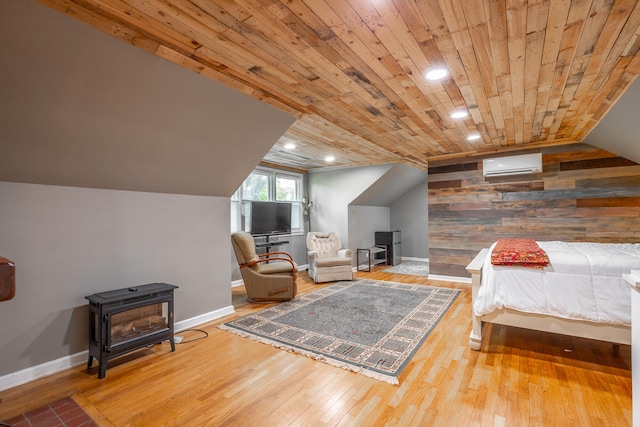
{"type": "Point", "coordinates": [24, 376]}
{"type": "Point", "coordinates": [203, 318]}
{"type": "Point", "coordinates": [33, 373]}
{"type": "Point", "coordinates": [450, 278]}
{"type": "Point", "coordinates": [415, 259]}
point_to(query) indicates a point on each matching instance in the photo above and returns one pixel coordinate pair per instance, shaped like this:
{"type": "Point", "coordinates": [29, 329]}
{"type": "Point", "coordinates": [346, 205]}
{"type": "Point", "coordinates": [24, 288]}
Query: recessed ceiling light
{"type": "Point", "coordinates": [473, 137]}
{"type": "Point", "coordinates": [458, 114]}
{"type": "Point", "coordinates": [436, 74]}
{"type": "Point", "coordinates": [329, 159]}
{"type": "Point", "coordinates": [289, 145]}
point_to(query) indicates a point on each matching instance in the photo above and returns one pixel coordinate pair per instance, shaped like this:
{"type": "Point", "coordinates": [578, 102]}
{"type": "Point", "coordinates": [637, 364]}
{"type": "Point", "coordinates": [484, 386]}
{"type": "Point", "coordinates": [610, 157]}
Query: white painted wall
{"type": "Point", "coordinates": [348, 201]}
{"type": "Point", "coordinates": [71, 242]}
{"type": "Point", "coordinates": [364, 221]}
{"type": "Point", "coordinates": [410, 215]}
{"type": "Point", "coordinates": [333, 191]}
{"type": "Point", "coordinates": [618, 131]}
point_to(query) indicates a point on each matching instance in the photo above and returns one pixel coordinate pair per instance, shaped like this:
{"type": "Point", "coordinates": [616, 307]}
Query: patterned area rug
{"type": "Point", "coordinates": [412, 268]}
{"type": "Point", "coordinates": [367, 326]}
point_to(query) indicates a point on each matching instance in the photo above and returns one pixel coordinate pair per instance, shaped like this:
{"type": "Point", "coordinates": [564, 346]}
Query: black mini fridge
{"type": "Point", "coordinates": [390, 239]}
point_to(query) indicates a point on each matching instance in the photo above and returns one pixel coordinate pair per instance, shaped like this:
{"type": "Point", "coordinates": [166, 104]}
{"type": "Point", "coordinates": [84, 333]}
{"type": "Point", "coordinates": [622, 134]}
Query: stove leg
{"type": "Point", "coordinates": [103, 370]}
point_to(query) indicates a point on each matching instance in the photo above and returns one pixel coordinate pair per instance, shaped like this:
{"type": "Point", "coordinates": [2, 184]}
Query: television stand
{"type": "Point", "coordinates": [268, 245]}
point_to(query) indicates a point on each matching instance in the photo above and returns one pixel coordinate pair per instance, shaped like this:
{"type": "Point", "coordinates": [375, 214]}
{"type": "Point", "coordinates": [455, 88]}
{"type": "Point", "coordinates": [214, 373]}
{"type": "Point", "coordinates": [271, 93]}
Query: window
{"type": "Point", "coordinates": [286, 189]}
{"type": "Point", "coordinates": [256, 187]}
{"type": "Point", "coordinates": [268, 185]}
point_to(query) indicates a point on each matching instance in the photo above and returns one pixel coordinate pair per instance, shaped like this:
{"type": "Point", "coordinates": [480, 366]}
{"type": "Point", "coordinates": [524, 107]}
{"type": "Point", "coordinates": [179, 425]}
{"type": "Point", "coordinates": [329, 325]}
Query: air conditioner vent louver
{"type": "Point", "coordinates": [512, 165]}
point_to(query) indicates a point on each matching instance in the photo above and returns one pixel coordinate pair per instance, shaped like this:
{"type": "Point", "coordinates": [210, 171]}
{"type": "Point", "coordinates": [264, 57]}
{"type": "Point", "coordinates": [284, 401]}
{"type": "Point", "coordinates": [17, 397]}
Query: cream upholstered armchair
{"type": "Point", "coordinates": [267, 277]}
{"type": "Point", "coordinates": [328, 262]}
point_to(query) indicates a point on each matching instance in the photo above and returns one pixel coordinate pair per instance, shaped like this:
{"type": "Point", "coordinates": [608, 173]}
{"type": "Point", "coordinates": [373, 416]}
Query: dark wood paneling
{"type": "Point", "coordinates": [610, 162]}
{"type": "Point", "coordinates": [456, 183]}
{"type": "Point", "coordinates": [572, 194]}
{"type": "Point", "coordinates": [456, 167]}
{"type": "Point", "coordinates": [584, 194]}
{"type": "Point", "coordinates": [608, 202]}
{"type": "Point", "coordinates": [520, 186]}
{"type": "Point", "coordinates": [628, 181]}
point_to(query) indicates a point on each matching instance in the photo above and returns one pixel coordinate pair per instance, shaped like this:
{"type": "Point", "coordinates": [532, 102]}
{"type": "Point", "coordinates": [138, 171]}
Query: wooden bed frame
{"type": "Point", "coordinates": [539, 322]}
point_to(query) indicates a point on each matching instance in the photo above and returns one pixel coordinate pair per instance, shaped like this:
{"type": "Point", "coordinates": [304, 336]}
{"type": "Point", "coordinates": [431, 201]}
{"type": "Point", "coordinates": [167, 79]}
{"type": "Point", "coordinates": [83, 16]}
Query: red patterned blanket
{"type": "Point", "coordinates": [519, 252]}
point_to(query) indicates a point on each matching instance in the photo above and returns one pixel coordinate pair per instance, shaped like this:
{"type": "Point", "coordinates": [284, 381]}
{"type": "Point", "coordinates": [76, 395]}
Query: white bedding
{"type": "Point", "coordinates": [583, 281]}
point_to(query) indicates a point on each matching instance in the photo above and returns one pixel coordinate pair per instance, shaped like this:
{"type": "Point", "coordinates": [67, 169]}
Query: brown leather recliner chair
{"type": "Point", "coordinates": [267, 277]}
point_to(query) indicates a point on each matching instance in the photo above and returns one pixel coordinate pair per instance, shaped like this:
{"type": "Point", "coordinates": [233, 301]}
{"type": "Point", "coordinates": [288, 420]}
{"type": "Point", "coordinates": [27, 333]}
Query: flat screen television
{"type": "Point", "coordinates": [269, 218]}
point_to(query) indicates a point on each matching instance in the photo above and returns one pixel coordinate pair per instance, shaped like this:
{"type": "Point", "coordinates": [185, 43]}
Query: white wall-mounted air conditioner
{"type": "Point", "coordinates": [512, 165]}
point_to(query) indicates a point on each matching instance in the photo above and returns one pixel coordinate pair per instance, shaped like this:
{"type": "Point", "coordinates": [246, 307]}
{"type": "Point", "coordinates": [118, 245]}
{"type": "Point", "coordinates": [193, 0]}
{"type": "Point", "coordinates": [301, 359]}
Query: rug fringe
{"type": "Point", "coordinates": [344, 365]}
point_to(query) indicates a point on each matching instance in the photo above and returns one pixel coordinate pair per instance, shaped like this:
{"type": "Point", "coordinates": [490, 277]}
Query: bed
{"type": "Point", "coordinates": [580, 292]}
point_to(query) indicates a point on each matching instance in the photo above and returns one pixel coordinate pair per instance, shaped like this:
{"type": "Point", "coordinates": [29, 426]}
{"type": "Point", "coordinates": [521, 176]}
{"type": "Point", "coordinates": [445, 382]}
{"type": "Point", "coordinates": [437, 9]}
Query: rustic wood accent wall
{"type": "Point", "coordinates": [583, 194]}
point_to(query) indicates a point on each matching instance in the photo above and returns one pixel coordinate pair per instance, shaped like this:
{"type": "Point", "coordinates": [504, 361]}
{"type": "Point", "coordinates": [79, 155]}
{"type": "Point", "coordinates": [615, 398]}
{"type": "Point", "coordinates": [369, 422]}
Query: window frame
{"type": "Point", "coordinates": [241, 201]}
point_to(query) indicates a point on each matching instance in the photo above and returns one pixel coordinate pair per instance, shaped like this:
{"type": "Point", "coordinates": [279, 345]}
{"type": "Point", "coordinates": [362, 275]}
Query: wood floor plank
{"type": "Point", "coordinates": [519, 377]}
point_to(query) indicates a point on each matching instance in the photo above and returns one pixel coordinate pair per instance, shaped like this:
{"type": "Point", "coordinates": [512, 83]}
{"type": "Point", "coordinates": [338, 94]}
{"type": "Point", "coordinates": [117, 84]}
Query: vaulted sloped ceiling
{"type": "Point", "coordinates": [397, 181]}
{"type": "Point", "coordinates": [81, 108]}
{"type": "Point", "coordinates": [347, 73]}
{"type": "Point", "coordinates": [619, 131]}
{"type": "Point", "coordinates": [529, 73]}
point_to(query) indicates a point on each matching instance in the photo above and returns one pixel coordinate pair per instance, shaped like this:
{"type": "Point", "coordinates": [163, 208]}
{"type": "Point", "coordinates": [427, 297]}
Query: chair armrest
{"type": "Point", "coordinates": [277, 253]}
{"type": "Point", "coordinates": [344, 253]}
{"type": "Point", "coordinates": [313, 254]}
{"type": "Point", "coordinates": [293, 265]}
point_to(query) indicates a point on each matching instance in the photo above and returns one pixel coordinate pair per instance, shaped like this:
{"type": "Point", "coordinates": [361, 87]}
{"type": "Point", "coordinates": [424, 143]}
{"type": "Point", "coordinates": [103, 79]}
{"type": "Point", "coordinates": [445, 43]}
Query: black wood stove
{"type": "Point", "coordinates": [128, 319]}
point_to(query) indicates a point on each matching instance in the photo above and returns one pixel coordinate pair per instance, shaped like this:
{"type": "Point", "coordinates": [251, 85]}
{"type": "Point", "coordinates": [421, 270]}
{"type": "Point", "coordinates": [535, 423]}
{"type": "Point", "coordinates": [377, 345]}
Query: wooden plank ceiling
{"type": "Point", "coordinates": [529, 73]}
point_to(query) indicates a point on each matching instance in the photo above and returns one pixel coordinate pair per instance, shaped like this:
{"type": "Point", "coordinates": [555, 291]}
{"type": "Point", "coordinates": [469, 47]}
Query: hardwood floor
{"type": "Point", "coordinates": [519, 378]}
